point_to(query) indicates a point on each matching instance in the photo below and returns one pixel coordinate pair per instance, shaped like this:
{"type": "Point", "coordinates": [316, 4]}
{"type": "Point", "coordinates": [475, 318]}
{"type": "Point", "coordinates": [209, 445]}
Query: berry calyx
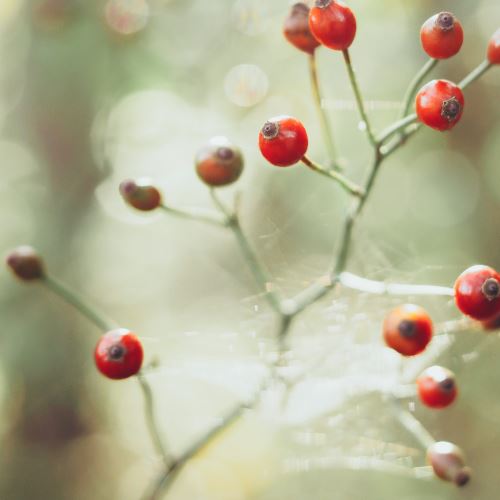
{"type": "Point", "coordinates": [25, 263]}
{"type": "Point", "coordinates": [408, 329]}
{"type": "Point", "coordinates": [219, 162]}
{"type": "Point", "coordinates": [296, 28]}
{"type": "Point", "coordinates": [439, 104]}
{"type": "Point", "coordinates": [140, 194]}
{"type": "Point", "coordinates": [283, 141]}
{"type": "Point", "coordinates": [442, 36]}
{"type": "Point", "coordinates": [333, 24]}
{"type": "Point", "coordinates": [119, 354]}
{"type": "Point", "coordinates": [477, 292]}
{"type": "Point", "coordinates": [448, 462]}
{"type": "Point", "coordinates": [493, 53]}
{"type": "Point", "coordinates": [436, 387]}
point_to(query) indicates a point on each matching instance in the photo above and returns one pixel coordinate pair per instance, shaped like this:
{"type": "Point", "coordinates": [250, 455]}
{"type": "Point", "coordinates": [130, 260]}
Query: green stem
{"type": "Point", "coordinates": [194, 214]}
{"type": "Point", "coordinates": [396, 127]}
{"type": "Point", "coordinates": [359, 98]}
{"type": "Point", "coordinates": [475, 74]}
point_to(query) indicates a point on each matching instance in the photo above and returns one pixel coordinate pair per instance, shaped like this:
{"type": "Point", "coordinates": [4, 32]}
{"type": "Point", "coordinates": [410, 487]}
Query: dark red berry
{"type": "Point", "coordinates": [296, 28]}
{"type": "Point", "coordinates": [219, 162]}
{"type": "Point", "coordinates": [140, 194]}
{"type": "Point", "coordinates": [477, 292]}
{"type": "Point", "coordinates": [493, 53]}
{"type": "Point", "coordinates": [492, 323]}
{"type": "Point", "coordinates": [333, 24]}
{"type": "Point", "coordinates": [283, 141]}
{"type": "Point", "coordinates": [440, 104]}
{"type": "Point", "coordinates": [25, 263]}
{"type": "Point", "coordinates": [408, 329]}
{"type": "Point", "coordinates": [436, 387]}
{"type": "Point", "coordinates": [119, 354]}
{"type": "Point", "coordinates": [448, 462]}
{"type": "Point", "coordinates": [442, 35]}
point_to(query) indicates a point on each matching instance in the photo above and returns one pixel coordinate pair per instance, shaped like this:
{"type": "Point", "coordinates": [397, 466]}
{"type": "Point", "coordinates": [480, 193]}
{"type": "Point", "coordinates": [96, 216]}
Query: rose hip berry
{"type": "Point", "coordinates": [493, 53]}
{"type": "Point", "coordinates": [140, 194]}
{"type": "Point", "coordinates": [408, 329]}
{"type": "Point", "coordinates": [296, 29]}
{"type": "Point", "coordinates": [477, 292]}
{"type": "Point", "coordinates": [333, 24]}
{"type": "Point", "coordinates": [25, 263]}
{"type": "Point", "coordinates": [448, 462]}
{"type": "Point", "coordinates": [436, 387]}
{"type": "Point", "coordinates": [283, 141]}
{"type": "Point", "coordinates": [219, 162]}
{"type": "Point", "coordinates": [439, 104]}
{"type": "Point", "coordinates": [119, 354]}
{"type": "Point", "coordinates": [442, 36]}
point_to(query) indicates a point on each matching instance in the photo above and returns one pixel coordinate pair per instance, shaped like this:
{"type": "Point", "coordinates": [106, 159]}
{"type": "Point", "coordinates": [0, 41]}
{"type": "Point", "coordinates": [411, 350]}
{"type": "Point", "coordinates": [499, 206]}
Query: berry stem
{"type": "Point", "coordinates": [343, 181]}
{"type": "Point", "coordinates": [195, 214]}
{"type": "Point", "coordinates": [359, 98]}
{"type": "Point", "coordinates": [397, 126]}
{"type": "Point", "coordinates": [475, 74]}
{"type": "Point", "coordinates": [326, 128]}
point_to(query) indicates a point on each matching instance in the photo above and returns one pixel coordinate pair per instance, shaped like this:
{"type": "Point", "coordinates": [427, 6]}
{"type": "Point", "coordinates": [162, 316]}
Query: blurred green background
{"type": "Point", "coordinates": [92, 92]}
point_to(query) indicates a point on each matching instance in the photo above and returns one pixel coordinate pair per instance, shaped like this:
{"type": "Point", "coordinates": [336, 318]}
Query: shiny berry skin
{"type": "Point", "coordinates": [119, 354]}
{"type": "Point", "coordinates": [436, 387]}
{"type": "Point", "coordinates": [25, 263]}
{"type": "Point", "coordinates": [283, 141]}
{"type": "Point", "coordinates": [493, 53]}
{"type": "Point", "coordinates": [296, 29]}
{"type": "Point", "coordinates": [442, 36]}
{"type": "Point", "coordinates": [448, 462]}
{"type": "Point", "coordinates": [440, 104]}
{"type": "Point", "coordinates": [140, 194]}
{"type": "Point", "coordinates": [477, 292]}
{"type": "Point", "coordinates": [333, 24]}
{"type": "Point", "coordinates": [219, 162]}
{"type": "Point", "coordinates": [408, 329]}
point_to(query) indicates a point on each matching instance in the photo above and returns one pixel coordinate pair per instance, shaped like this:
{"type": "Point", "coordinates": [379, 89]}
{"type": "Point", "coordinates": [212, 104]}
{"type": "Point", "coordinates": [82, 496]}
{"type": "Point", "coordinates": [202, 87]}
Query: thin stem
{"type": "Point", "coordinates": [396, 127]}
{"type": "Point", "coordinates": [358, 96]}
{"type": "Point", "coordinates": [475, 74]}
{"type": "Point", "coordinates": [415, 84]}
{"type": "Point", "coordinates": [326, 129]}
{"type": "Point", "coordinates": [343, 181]}
{"type": "Point", "coordinates": [195, 214]}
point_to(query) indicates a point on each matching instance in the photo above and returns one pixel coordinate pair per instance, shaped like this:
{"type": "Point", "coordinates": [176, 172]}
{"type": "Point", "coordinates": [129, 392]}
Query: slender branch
{"type": "Point", "coordinates": [343, 181]}
{"type": "Point", "coordinates": [475, 74]}
{"type": "Point", "coordinates": [326, 129]}
{"type": "Point", "coordinates": [359, 98]}
{"type": "Point", "coordinates": [198, 214]}
{"type": "Point", "coordinates": [396, 127]}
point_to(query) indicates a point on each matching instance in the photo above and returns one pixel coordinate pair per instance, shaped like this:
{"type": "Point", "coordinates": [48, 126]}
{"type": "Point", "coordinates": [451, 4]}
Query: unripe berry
{"type": "Point", "coordinates": [493, 53]}
{"type": "Point", "coordinates": [408, 329]}
{"type": "Point", "coordinates": [448, 462]}
{"type": "Point", "coordinates": [283, 141]}
{"type": "Point", "coordinates": [333, 24]}
{"type": "Point", "coordinates": [140, 194]}
{"type": "Point", "coordinates": [477, 292]}
{"type": "Point", "coordinates": [436, 387]}
{"type": "Point", "coordinates": [296, 29]}
{"type": "Point", "coordinates": [439, 104]}
{"type": "Point", "coordinates": [25, 263]}
{"type": "Point", "coordinates": [119, 354]}
{"type": "Point", "coordinates": [442, 35]}
{"type": "Point", "coordinates": [219, 162]}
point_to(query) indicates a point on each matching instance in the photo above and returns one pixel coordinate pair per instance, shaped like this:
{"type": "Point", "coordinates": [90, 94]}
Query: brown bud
{"type": "Point", "coordinates": [296, 29]}
{"type": "Point", "coordinates": [448, 462]}
{"type": "Point", "coordinates": [140, 194]}
{"type": "Point", "coordinates": [25, 263]}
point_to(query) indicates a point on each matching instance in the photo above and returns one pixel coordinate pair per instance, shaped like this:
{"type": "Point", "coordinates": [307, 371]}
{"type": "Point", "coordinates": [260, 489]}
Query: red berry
{"type": "Point", "coordinates": [477, 292]}
{"type": "Point", "coordinates": [25, 263]}
{"type": "Point", "coordinates": [140, 194]}
{"type": "Point", "coordinates": [494, 48]}
{"type": "Point", "coordinates": [333, 24]}
{"type": "Point", "coordinates": [296, 29]}
{"type": "Point", "coordinates": [448, 462]}
{"type": "Point", "coordinates": [492, 323]}
{"type": "Point", "coordinates": [219, 162]}
{"type": "Point", "coordinates": [442, 35]}
{"type": "Point", "coordinates": [407, 329]}
{"type": "Point", "coordinates": [118, 354]}
{"type": "Point", "coordinates": [283, 141]}
{"type": "Point", "coordinates": [440, 104]}
{"type": "Point", "coordinates": [436, 387]}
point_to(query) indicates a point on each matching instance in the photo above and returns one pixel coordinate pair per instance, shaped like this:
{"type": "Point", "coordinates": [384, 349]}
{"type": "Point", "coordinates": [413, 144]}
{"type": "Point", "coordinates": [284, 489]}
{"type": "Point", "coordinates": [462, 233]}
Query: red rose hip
{"type": "Point", "coordinates": [440, 104]}
{"type": "Point", "coordinates": [448, 462]}
{"type": "Point", "coordinates": [25, 263]}
{"type": "Point", "coordinates": [333, 24]}
{"type": "Point", "coordinates": [296, 29]}
{"type": "Point", "coordinates": [477, 292]}
{"type": "Point", "coordinates": [119, 354]}
{"type": "Point", "coordinates": [436, 387]}
{"type": "Point", "coordinates": [283, 141]}
{"type": "Point", "coordinates": [140, 194]}
{"type": "Point", "coordinates": [493, 53]}
{"type": "Point", "coordinates": [442, 35]}
{"type": "Point", "coordinates": [407, 329]}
